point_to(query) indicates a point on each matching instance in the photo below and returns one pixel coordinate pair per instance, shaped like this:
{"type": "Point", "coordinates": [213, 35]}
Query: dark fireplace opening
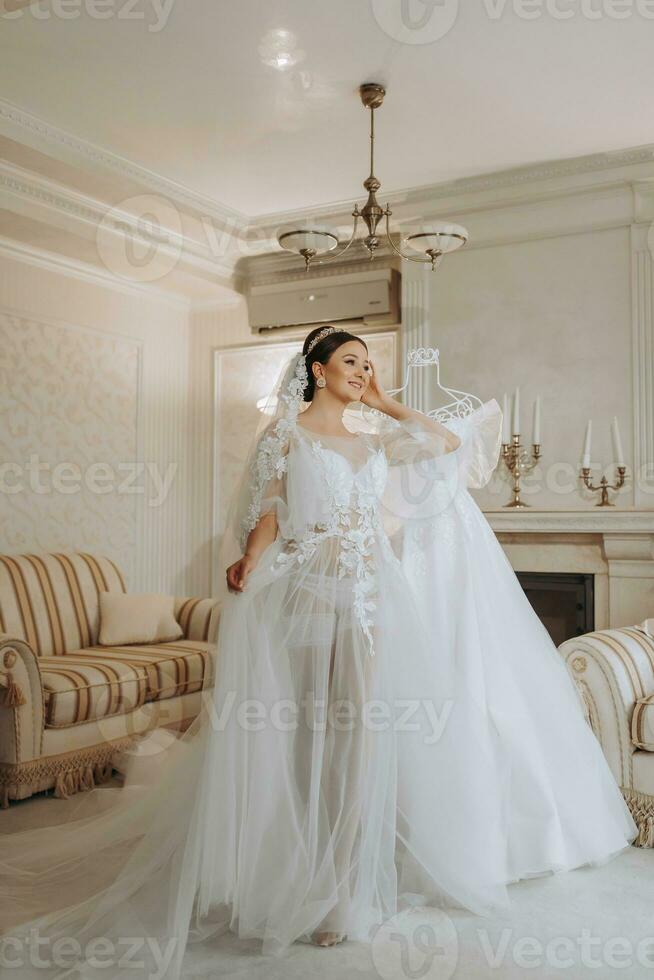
{"type": "Point", "coordinates": [564, 602]}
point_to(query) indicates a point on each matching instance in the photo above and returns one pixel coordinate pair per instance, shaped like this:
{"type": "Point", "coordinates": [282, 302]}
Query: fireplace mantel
{"type": "Point", "coordinates": [608, 520]}
{"type": "Point", "coordinates": [615, 545]}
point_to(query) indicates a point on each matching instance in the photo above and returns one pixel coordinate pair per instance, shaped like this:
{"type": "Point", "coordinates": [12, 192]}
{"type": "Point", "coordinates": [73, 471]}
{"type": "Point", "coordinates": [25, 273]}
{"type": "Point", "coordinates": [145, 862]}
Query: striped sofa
{"type": "Point", "coordinates": [68, 706]}
{"type": "Point", "coordinates": [614, 671]}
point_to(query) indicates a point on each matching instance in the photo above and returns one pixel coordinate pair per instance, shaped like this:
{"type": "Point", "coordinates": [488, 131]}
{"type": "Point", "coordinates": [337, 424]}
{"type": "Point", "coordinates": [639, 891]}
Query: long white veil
{"type": "Point", "coordinates": [279, 409]}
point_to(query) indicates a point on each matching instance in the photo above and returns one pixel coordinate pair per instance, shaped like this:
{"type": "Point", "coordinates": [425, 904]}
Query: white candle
{"type": "Point", "coordinates": [506, 422]}
{"type": "Point", "coordinates": [536, 425]}
{"type": "Point", "coordinates": [617, 442]}
{"type": "Point", "coordinates": [516, 412]}
{"type": "Point", "coordinates": [586, 457]}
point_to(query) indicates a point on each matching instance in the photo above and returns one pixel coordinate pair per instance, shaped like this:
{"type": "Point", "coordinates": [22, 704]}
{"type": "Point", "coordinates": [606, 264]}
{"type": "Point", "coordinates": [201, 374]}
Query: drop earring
{"type": "Point", "coordinates": [321, 382]}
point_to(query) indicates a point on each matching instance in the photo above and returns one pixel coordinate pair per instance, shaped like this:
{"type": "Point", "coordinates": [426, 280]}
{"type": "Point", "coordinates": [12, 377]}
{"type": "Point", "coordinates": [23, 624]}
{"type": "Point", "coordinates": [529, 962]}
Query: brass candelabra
{"type": "Point", "coordinates": [604, 485]}
{"type": "Point", "coordinates": [519, 461]}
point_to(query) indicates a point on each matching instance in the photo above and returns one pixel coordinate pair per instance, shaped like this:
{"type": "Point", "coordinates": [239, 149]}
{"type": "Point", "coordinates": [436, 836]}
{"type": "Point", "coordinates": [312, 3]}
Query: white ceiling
{"type": "Point", "coordinates": [194, 103]}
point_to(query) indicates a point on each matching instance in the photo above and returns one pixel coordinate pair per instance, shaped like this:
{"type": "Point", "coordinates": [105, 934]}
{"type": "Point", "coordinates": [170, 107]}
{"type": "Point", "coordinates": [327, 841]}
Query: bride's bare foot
{"type": "Point", "coordinates": [328, 938]}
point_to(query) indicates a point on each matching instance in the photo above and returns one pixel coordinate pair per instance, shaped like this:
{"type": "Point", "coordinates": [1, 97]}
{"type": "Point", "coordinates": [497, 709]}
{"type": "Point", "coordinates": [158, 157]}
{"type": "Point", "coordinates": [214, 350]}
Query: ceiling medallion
{"type": "Point", "coordinates": [430, 244]}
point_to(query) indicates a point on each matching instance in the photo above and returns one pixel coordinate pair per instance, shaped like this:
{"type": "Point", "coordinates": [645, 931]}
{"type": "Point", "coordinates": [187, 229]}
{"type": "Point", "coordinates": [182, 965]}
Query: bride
{"type": "Point", "coordinates": [343, 768]}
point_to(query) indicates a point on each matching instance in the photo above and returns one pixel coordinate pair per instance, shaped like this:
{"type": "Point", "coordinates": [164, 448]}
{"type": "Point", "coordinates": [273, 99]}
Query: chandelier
{"type": "Point", "coordinates": [429, 246]}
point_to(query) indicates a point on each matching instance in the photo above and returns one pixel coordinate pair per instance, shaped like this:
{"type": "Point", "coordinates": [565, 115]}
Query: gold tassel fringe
{"type": "Point", "coordinates": [82, 778]}
{"type": "Point", "coordinates": [11, 696]}
{"type": "Point", "coordinates": [641, 806]}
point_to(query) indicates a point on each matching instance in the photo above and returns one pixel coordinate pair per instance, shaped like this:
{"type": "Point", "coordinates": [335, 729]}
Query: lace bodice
{"type": "Point", "coordinates": [323, 487]}
{"type": "Point", "coordinates": [332, 487]}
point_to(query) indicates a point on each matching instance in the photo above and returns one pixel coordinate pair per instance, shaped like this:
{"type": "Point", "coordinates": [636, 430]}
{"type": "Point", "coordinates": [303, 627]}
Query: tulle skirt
{"type": "Point", "coordinates": [325, 787]}
{"type": "Point", "coordinates": [342, 785]}
{"type": "Point", "coordinates": [562, 806]}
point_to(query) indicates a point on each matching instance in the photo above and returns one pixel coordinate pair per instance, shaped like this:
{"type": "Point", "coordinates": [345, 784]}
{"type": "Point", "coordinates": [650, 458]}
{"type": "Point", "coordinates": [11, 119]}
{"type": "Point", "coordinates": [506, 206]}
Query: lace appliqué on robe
{"type": "Point", "coordinates": [354, 519]}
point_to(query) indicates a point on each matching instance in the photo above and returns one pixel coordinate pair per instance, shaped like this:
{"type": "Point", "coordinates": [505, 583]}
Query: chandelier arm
{"type": "Point", "coordinates": [409, 258]}
{"type": "Point", "coordinates": [333, 255]}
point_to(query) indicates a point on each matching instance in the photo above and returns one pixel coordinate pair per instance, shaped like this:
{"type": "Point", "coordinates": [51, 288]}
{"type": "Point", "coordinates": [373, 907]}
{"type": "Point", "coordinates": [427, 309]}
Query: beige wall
{"type": "Point", "coordinates": [227, 327]}
{"type": "Point", "coordinates": [60, 334]}
{"type": "Point", "coordinates": [552, 315]}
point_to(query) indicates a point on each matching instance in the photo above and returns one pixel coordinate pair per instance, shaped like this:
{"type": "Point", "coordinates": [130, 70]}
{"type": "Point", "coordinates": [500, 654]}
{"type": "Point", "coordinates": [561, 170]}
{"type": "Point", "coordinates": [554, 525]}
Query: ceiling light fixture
{"type": "Point", "coordinates": [431, 244]}
{"type": "Point", "coordinates": [279, 49]}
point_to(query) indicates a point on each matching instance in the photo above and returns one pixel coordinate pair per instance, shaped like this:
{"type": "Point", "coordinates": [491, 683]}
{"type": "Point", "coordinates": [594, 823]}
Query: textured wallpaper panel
{"type": "Point", "coordinates": [69, 400]}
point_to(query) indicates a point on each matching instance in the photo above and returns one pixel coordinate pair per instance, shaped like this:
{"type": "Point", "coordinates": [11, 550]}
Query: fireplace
{"type": "Point", "coordinates": [564, 602]}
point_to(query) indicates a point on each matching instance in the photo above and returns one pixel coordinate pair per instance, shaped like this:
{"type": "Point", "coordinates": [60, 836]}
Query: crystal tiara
{"type": "Point", "coordinates": [323, 333]}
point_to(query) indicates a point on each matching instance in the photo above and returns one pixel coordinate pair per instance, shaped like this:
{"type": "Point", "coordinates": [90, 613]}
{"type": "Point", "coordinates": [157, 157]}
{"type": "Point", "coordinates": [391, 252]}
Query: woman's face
{"type": "Point", "coordinates": [347, 372]}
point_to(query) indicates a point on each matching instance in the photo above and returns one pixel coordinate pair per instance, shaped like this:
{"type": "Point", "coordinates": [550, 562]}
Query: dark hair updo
{"type": "Point", "coordinates": [322, 351]}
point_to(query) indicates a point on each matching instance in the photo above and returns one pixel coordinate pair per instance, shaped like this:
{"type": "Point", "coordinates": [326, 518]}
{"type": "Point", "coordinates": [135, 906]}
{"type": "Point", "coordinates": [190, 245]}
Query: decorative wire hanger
{"type": "Point", "coordinates": [463, 402]}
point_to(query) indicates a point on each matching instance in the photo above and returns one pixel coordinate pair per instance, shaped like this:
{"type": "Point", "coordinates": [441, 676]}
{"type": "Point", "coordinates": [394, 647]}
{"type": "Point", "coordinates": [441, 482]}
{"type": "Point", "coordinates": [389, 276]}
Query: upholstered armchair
{"type": "Point", "coordinates": [614, 671]}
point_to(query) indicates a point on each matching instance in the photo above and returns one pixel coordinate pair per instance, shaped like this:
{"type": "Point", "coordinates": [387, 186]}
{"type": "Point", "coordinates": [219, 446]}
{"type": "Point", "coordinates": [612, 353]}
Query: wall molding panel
{"type": "Point", "coordinates": [642, 239]}
{"type": "Point", "coordinates": [71, 403]}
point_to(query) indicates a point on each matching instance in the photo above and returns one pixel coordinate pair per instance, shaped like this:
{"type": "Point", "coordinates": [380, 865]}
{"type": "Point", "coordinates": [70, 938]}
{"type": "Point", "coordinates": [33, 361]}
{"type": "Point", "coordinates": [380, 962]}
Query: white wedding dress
{"type": "Point", "coordinates": [457, 760]}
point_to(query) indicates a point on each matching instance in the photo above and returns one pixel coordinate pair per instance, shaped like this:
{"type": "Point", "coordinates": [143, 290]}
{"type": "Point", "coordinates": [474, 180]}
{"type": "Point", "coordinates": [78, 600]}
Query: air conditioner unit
{"type": "Point", "coordinates": [370, 297]}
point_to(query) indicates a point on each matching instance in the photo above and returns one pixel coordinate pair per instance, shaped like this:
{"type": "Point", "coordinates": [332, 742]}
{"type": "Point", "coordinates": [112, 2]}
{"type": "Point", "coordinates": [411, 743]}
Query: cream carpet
{"type": "Point", "coordinates": [592, 922]}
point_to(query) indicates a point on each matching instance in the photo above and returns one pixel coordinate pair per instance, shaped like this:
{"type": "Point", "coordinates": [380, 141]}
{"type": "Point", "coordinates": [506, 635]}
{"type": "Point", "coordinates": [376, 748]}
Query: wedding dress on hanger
{"type": "Point", "coordinates": [562, 807]}
{"type": "Point", "coordinates": [275, 815]}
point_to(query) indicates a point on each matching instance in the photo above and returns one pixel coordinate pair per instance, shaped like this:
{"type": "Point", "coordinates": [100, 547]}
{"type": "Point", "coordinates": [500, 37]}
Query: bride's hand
{"type": "Point", "coordinates": [238, 572]}
{"type": "Point", "coordinates": [374, 396]}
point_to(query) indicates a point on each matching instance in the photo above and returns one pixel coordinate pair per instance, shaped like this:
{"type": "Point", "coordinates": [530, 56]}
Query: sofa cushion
{"type": "Point", "coordinates": [171, 669]}
{"type": "Point", "coordinates": [51, 600]}
{"type": "Point", "coordinates": [141, 617]}
{"type": "Point", "coordinates": [85, 688]}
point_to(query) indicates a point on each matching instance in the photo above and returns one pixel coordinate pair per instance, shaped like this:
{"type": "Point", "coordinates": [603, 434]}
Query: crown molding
{"type": "Point", "coordinates": [58, 200]}
{"type": "Point", "coordinates": [87, 273]}
{"type": "Point", "coordinates": [75, 149]}
{"type": "Point", "coordinates": [510, 180]}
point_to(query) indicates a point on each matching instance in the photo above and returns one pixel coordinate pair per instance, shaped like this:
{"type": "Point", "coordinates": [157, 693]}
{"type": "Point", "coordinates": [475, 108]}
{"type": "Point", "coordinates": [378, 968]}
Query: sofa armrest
{"type": "Point", "coordinates": [21, 702]}
{"type": "Point", "coordinates": [198, 617]}
{"type": "Point", "coordinates": [612, 669]}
